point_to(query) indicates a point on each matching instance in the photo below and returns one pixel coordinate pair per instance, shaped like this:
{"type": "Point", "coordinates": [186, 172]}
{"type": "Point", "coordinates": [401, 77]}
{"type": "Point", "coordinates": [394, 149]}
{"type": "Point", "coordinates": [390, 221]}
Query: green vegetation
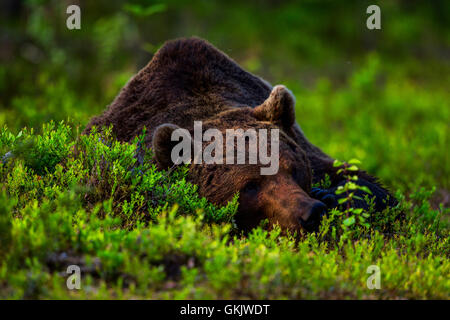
{"type": "Point", "coordinates": [139, 232]}
{"type": "Point", "coordinates": [379, 96]}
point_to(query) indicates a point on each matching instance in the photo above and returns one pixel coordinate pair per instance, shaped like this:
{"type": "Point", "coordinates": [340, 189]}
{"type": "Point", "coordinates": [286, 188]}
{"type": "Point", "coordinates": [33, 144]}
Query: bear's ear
{"type": "Point", "coordinates": [278, 108]}
{"type": "Point", "coordinates": [164, 142]}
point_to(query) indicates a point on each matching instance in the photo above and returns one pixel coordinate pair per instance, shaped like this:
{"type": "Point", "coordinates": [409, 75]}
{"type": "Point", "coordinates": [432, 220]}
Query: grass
{"type": "Point", "coordinates": [137, 232]}
{"type": "Point", "coordinates": [378, 96]}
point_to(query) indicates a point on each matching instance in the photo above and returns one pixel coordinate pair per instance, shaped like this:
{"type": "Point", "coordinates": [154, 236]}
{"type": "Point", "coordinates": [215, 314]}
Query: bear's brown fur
{"type": "Point", "coordinates": [189, 80]}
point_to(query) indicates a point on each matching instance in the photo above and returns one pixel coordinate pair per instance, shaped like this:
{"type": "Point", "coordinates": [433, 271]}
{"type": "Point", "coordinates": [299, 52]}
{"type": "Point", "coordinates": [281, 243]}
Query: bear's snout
{"type": "Point", "coordinates": [311, 220]}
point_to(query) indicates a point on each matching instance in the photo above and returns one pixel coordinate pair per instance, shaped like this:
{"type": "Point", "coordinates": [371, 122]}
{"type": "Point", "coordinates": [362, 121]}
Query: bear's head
{"type": "Point", "coordinates": [282, 196]}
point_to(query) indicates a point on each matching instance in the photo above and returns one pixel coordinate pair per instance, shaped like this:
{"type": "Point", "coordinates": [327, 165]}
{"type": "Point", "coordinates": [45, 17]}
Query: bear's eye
{"type": "Point", "coordinates": [251, 187]}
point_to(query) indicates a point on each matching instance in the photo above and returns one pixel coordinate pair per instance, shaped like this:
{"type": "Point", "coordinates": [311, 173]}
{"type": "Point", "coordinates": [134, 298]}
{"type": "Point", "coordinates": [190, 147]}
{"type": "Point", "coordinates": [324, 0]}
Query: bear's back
{"type": "Point", "coordinates": [186, 80]}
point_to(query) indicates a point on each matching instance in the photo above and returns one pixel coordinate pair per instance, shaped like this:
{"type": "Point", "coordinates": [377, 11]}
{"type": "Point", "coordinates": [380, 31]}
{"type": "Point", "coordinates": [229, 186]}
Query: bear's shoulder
{"type": "Point", "coordinates": [195, 67]}
{"type": "Point", "coordinates": [187, 79]}
{"type": "Point", "coordinates": [188, 52]}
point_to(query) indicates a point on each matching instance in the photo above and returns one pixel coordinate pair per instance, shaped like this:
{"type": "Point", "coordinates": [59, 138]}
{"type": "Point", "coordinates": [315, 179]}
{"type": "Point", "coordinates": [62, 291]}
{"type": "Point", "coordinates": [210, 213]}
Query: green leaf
{"type": "Point", "coordinates": [349, 221]}
{"type": "Point", "coordinates": [354, 161]}
{"type": "Point", "coordinates": [337, 163]}
{"type": "Point", "coordinates": [365, 189]}
{"type": "Point", "coordinates": [352, 186]}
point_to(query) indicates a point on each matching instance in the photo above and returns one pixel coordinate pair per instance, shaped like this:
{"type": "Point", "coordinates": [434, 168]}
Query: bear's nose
{"type": "Point", "coordinates": [316, 214]}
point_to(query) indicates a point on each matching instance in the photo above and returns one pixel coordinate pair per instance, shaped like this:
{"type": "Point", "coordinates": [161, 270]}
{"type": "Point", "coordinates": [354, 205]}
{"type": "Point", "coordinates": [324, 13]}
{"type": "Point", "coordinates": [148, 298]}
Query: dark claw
{"type": "Point", "coordinates": [315, 192]}
{"type": "Point", "coordinates": [330, 201]}
{"type": "Point", "coordinates": [325, 196]}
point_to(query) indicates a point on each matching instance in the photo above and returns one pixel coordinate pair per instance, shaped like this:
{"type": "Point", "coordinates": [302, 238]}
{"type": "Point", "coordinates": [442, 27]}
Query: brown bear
{"type": "Point", "coordinates": [189, 80]}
